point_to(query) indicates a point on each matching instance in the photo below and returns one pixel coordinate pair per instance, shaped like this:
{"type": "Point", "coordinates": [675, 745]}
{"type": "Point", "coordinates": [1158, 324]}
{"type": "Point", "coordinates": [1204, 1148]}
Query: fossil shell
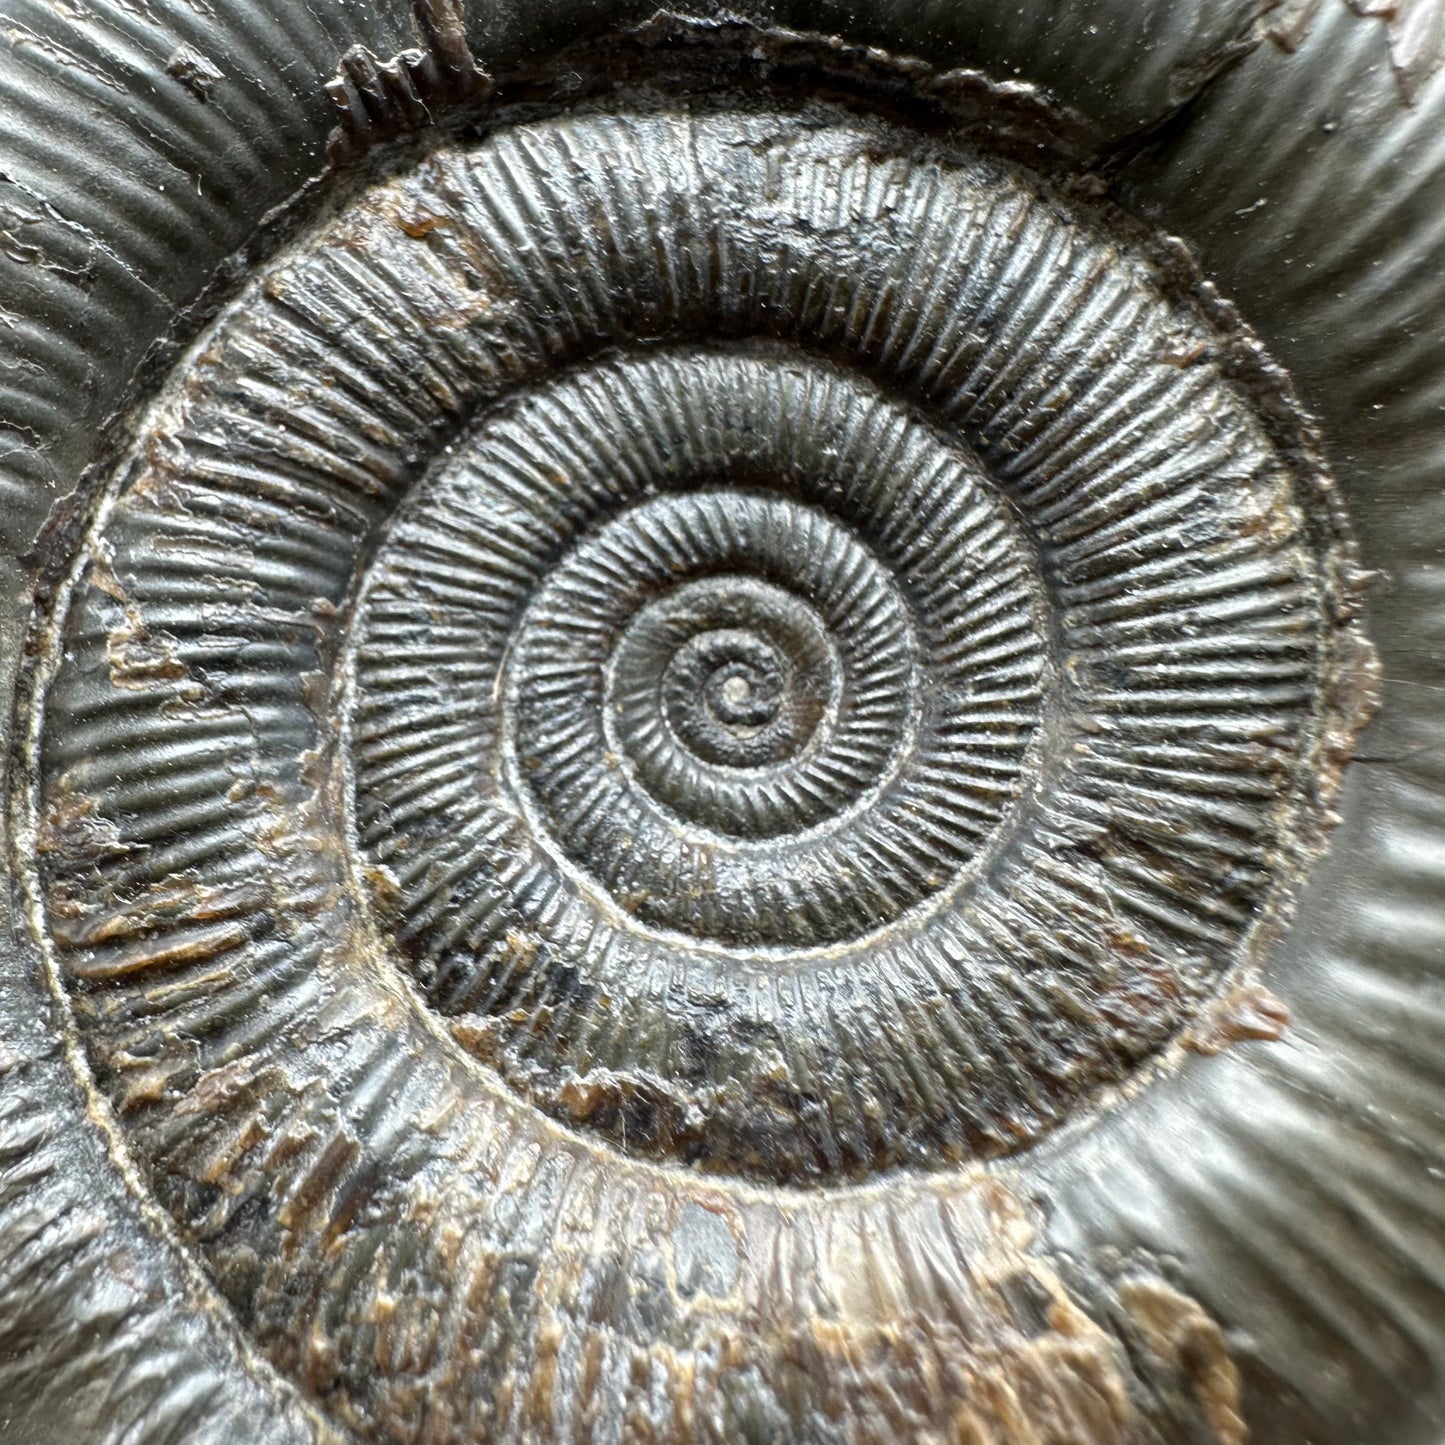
{"type": "Point", "coordinates": [687, 761]}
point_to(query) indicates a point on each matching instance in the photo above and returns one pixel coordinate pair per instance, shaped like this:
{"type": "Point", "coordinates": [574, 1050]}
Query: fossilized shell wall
{"type": "Point", "coordinates": [724, 727]}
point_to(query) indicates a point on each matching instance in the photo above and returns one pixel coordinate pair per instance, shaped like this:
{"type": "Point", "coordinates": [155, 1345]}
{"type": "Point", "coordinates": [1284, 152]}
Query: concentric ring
{"type": "Point", "coordinates": [734, 673]}
{"type": "Point", "coordinates": [929, 770]}
{"type": "Point", "coordinates": [403, 1278]}
{"type": "Point", "coordinates": [1030, 907]}
{"type": "Point", "coordinates": [712, 617]}
{"type": "Point", "coordinates": [881, 452]}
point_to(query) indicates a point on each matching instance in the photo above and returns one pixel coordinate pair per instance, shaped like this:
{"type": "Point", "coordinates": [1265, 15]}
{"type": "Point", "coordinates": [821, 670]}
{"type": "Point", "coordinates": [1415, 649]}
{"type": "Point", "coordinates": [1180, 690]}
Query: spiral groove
{"type": "Point", "coordinates": [855, 794]}
{"type": "Point", "coordinates": [811, 656]}
{"type": "Point", "coordinates": [503, 942]}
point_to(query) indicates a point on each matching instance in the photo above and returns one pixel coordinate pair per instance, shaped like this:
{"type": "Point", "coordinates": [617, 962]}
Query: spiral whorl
{"type": "Point", "coordinates": [702, 671]}
{"type": "Point", "coordinates": [752, 640]}
{"type": "Point", "coordinates": [849, 742]}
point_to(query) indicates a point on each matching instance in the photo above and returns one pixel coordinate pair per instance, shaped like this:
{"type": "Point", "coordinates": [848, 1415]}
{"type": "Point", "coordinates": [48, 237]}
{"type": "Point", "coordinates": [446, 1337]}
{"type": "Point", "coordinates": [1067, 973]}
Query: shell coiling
{"type": "Point", "coordinates": [701, 668]}
{"type": "Point", "coordinates": [810, 650]}
{"type": "Point", "coordinates": [706, 659]}
{"type": "Point", "coordinates": [848, 696]}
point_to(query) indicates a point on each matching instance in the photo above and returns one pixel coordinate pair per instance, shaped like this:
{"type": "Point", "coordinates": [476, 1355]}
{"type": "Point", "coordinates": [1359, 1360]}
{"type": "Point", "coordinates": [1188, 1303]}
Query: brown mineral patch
{"type": "Point", "coordinates": [139, 658]}
{"type": "Point", "coordinates": [1184, 351]}
{"type": "Point", "coordinates": [940, 1318]}
{"type": "Point", "coordinates": [195, 71]}
{"type": "Point", "coordinates": [312, 1200]}
{"type": "Point", "coordinates": [1249, 1011]}
{"type": "Point", "coordinates": [420, 224]}
{"type": "Point", "coordinates": [168, 902]}
{"type": "Point", "coordinates": [479, 1036]}
{"type": "Point", "coordinates": [102, 577]}
{"type": "Point", "coordinates": [383, 883]}
{"type": "Point", "coordinates": [582, 1098]}
{"type": "Point", "coordinates": [1178, 1330]}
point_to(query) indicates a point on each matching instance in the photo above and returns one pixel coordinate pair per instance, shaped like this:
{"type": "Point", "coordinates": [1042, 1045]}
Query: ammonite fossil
{"type": "Point", "coordinates": [724, 723]}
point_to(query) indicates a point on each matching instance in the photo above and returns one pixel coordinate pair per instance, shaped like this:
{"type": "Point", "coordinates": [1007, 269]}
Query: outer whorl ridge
{"type": "Point", "coordinates": [807, 650]}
